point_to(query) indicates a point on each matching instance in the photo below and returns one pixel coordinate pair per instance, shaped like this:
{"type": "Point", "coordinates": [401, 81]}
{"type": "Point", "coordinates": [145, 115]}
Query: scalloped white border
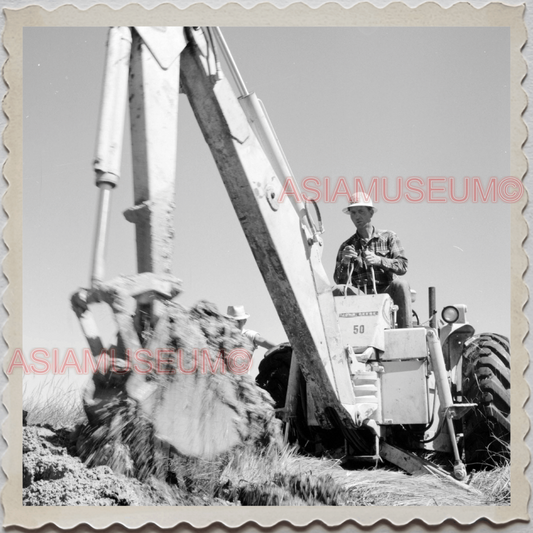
{"type": "Point", "coordinates": [396, 14]}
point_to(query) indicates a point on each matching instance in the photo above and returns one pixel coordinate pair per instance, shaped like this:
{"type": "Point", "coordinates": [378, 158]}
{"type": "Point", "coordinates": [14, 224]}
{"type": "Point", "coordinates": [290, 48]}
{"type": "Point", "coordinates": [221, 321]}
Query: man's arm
{"type": "Point", "coordinates": [341, 270]}
{"type": "Point", "coordinates": [260, 341]}
{"type": "Point", "coordinates": [342, 263]}
{"type": "Point", "coordinates": [257, 340]}
{"type": "Point", "coordinates": [396, 262]}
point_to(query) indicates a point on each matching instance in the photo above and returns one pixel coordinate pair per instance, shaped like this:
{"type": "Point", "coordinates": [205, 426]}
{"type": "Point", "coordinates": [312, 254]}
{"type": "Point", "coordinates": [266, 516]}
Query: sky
{"type": "Point", "coordinates": [345, 102]}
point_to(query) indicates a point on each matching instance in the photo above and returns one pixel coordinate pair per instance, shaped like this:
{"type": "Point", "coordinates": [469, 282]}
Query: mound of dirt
{"type": "Point", "coordinates": [195, 402]}
{"type": "Point", "coordinates": [220, 406]}
{"type": "Point", "coordinates": [52, 476]}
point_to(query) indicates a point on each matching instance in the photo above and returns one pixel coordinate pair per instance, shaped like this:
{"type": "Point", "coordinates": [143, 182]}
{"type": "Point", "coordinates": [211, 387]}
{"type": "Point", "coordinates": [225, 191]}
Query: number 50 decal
{"type": "Point", "coordinates": [358, 329]}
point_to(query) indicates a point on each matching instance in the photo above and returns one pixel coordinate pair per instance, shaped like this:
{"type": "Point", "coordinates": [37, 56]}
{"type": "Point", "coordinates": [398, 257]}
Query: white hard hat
{"type": "Point", "coordinates": [359, 199]}
{"type": "Point", "coordinates": [237, 312]}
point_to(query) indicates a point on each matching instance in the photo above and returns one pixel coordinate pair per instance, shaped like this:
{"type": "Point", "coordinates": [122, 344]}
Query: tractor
{"type": "Point", "coordinates": [410, 385]}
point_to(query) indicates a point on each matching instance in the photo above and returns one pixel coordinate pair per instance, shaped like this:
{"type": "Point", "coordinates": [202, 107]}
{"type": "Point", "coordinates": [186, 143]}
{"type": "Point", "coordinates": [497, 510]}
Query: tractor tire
{"type": "Point", "coordinates": [486, 382]}
{"type": "Point", "coordinates": [273, 373]}
{"type": "Point", "coordinates": [273, 377]}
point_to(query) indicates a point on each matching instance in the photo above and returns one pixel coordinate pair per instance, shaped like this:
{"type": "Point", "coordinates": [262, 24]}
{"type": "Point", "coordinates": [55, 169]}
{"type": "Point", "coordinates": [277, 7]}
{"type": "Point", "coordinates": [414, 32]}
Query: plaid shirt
{"type": "Point", "coordinates": [384, 244]}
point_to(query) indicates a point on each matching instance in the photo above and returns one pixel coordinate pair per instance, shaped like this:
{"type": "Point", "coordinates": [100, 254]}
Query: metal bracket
{"type": "Point", "coordinates": [415, 465]}
{"type": "Point", "coordinates": [272, 198]}
{"type": "Point", "coordinates": [317, 230]}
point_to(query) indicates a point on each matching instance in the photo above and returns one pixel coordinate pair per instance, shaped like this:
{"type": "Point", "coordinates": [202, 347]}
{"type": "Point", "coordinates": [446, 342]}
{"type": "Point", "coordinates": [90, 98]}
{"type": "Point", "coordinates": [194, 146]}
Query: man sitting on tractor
{"type": "Point", "coordinates": [371, 260]}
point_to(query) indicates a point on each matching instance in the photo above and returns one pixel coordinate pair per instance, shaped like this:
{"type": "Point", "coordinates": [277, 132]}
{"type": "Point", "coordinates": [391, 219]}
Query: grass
{"type": "Point", "coordinates": [292, 479]}
{"type": "Point", "coordinates": [56, 402]}
{"type": "Point", "coordinates": [495, 484]}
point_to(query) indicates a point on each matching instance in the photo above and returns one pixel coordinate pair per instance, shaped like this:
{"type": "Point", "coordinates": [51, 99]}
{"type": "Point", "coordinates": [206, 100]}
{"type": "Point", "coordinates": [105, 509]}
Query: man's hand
{"type": "Point", "coordinates": [372, 259]}
{"type": "Point", "coordinates": [349, 254]}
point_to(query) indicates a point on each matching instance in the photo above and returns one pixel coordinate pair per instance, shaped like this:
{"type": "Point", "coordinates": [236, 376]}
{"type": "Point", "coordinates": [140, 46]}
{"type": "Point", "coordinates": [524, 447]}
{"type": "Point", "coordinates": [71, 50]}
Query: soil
{"type": "Point", "coordinates": [54, 476]}
{"type": "Point", "coordinates": [51, 476]}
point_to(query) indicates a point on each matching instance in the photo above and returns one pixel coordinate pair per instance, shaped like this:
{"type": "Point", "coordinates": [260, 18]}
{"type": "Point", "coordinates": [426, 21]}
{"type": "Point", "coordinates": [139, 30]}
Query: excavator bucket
{"type": "Point", "coordinates": [202, 401]}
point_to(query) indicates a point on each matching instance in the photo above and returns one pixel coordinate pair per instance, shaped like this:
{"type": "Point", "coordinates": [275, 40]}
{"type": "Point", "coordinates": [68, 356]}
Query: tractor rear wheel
{"type": "Point", "coordinates": [273, 377]}
{"type": "Point", "coordinates": [274, 372]}
{"type": "Point", "coordinates": [486, 382]}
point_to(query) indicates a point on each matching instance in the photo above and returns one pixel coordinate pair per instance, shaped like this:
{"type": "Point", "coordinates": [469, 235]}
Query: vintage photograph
{"type": "Point", "coordinates": [268, 266]}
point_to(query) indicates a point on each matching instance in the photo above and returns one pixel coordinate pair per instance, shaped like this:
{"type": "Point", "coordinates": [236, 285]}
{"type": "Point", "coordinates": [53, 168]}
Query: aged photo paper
{"type": "Point", "coordinates": [405, 123]}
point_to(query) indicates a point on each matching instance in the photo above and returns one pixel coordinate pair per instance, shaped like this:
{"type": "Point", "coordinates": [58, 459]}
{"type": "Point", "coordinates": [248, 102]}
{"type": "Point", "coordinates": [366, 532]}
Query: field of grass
{"type": "Point", "coordinates": [293, 479]}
